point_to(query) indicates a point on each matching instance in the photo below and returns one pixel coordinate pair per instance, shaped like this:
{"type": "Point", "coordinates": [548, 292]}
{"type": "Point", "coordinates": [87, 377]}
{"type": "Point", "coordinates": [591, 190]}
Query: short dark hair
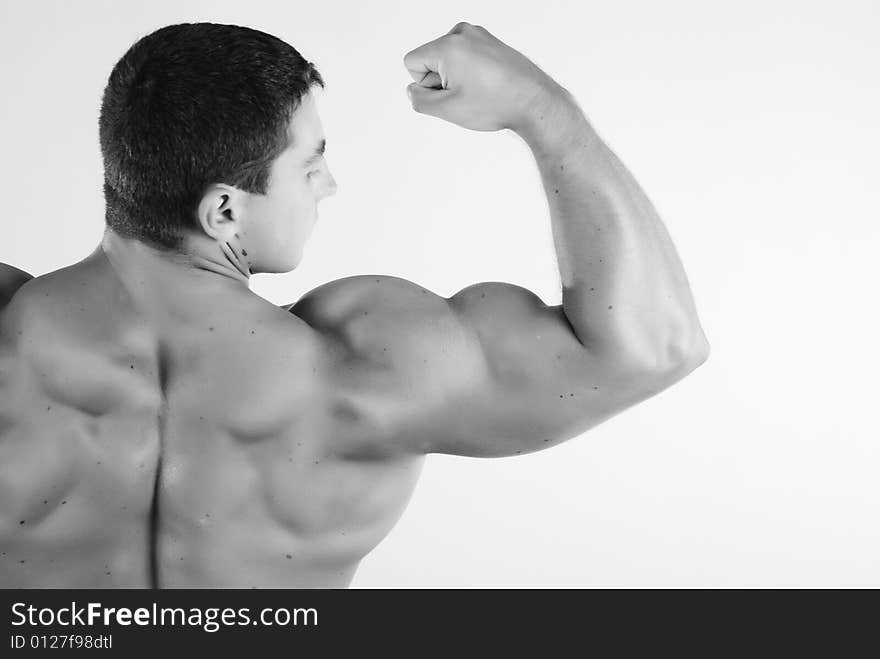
{"type": "Point", "coordinates": [187, 106]}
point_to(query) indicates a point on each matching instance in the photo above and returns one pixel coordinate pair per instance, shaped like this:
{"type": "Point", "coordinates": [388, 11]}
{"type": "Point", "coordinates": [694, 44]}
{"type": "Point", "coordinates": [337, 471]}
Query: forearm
{"type": "Point", "coordinates": [624, 288]}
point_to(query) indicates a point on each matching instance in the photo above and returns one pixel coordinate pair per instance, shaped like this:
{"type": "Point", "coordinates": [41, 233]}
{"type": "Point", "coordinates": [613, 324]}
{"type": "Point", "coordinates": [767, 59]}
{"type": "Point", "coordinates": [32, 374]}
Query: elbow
{"type": "Point", "coordinates": [700, 353]}
{"type": "Point", "coordinates": [677, 360]}
{"type": "Point", "coordinates": [704, 353]}
{"type": "Point", "coordinates": [695, 360]}
{"type": "Point", "coordinates": [682, 359]}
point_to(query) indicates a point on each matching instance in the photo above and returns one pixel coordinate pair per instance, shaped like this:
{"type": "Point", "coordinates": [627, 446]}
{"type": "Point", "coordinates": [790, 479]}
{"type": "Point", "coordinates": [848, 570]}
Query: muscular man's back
{"type": "Point", "coordinates": [182, 442]}
{"type": "Point", "coordinates": [161, 425]}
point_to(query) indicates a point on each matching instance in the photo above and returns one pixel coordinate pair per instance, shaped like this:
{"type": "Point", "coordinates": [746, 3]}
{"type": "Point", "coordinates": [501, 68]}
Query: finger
{"type": "Point", "coordinates": [426, 100]}
{"type": "Point", "coordinates": [459, 27]}
{"type": "Point", "coordinates": [432, 80]}
{"type": "Point", "coordinates": [426, 58]}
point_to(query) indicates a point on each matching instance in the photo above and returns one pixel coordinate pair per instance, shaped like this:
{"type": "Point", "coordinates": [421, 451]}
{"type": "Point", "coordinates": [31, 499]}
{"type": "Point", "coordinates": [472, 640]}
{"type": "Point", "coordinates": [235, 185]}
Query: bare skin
{"type": "Point", "coordinates": [197, 443]}
{"type": "Point", "coordinates": [163, 426]}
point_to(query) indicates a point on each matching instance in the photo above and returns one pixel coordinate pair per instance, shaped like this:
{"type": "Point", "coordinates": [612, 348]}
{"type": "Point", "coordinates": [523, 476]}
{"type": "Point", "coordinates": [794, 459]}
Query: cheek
{"type": "Point", "coordinates": [304, 205]}
{"type": "Point", "coordinates": [298, 196]}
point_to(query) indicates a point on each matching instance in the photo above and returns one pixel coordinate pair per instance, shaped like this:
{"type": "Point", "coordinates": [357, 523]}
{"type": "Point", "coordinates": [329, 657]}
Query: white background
{"type": "Point", "coordinates": [752, 127]}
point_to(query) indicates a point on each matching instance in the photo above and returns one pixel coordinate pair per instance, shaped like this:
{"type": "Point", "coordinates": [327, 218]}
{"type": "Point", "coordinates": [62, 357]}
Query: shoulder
{"type": "Point", "coordinates": [370, 298]}
{"type": "Point", "coordinates": [11, 280]}
{"type": "Point", "coordinates": [392, 326]}
{"type": "Point", "coordinates": [46, 307]}
{"type": "Point", "coordinates": [396, 352]}
{"type": "Point", "coordinates": [17, 318]}
{"type": "Point", "coordinates": [39, 293]}
{"type": "Point", "coordinates": [368, 307]}
{"type": "Point", "coordinates": [363, 308]}
{"type": "Point", "coordinates": [361, 294]}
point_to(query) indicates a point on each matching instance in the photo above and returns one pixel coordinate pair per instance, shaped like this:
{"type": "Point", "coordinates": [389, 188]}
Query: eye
{"type": "Point", "coordinates": [312, 173]}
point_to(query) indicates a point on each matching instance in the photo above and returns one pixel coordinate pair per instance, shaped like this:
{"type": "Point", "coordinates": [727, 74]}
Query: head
{"type": "Point", "coordinates": [209, 135]}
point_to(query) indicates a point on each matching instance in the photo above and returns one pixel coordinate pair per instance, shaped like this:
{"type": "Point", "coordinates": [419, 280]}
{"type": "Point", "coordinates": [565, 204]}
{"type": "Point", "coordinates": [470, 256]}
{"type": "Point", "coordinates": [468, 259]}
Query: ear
{"type": "Point", "coordinates": [220, 211]}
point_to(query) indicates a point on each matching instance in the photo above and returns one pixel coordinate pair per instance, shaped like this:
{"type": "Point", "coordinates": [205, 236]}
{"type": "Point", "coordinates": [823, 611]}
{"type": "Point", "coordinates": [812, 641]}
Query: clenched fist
{"type": "Point", "coordinates": [471, 78]}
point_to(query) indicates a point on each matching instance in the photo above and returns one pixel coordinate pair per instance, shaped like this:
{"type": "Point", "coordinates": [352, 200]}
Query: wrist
{"type": "Point", "coordinates": [553, 123]}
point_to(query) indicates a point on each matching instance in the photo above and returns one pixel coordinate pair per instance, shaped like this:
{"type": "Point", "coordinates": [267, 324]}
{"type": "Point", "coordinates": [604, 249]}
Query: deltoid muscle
{"type": "Point", "coordinates": [11, 279]}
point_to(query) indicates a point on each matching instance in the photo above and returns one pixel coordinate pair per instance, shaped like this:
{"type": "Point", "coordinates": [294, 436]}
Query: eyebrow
{"type": "Point", "coordinates": [319, 151]}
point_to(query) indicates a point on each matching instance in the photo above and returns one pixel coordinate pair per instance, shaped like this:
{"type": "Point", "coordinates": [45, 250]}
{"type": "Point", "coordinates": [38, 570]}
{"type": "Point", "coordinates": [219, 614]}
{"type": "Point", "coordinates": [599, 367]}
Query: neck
{"type": "Point", "coordinates": [203, 269]}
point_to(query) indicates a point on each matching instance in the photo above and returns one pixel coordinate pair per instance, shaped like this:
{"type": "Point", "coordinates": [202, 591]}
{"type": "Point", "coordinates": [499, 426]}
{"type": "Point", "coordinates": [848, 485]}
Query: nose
{"type": "Point", "coordinates": [331, 186]}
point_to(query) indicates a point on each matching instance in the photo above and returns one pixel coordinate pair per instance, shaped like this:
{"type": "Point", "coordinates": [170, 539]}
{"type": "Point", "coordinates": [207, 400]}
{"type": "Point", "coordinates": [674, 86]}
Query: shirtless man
{"type": "Point", "coordinates": [163, 426]}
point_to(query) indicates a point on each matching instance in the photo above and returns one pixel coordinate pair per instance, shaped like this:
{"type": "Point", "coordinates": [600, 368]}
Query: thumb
{"type": "Point", "coordinates": [427, 100]}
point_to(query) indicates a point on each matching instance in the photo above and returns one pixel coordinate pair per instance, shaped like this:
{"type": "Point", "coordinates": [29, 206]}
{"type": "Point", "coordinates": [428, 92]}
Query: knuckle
{"type": "Point", "coordinates": [455, 42]}
{"type": "Point", "coordinates": [461, 27]}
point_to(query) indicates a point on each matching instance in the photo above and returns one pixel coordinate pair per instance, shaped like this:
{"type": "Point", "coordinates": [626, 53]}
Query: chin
{"type": "Point", "coordinates": [281, 269]}
{"type": "Point", "coordinates": [281, 263]}
{"type": "Point", "coordinates": [275, 268]}
{"type": "Point", "coordinates": [292, 264]}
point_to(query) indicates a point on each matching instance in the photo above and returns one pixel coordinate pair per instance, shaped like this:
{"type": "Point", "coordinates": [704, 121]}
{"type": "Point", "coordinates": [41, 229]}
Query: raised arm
{"type": "Point", "coordinates": [624, 289]}
{"type": "Point", "coordinates": [493, 371]}
{"type": "Point", "coordinates": [490, 372]}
